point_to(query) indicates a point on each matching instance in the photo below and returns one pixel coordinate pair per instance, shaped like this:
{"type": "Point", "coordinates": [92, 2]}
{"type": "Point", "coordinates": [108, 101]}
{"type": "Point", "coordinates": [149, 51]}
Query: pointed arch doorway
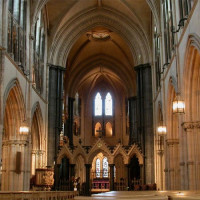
{"type": "Point", "coordinates": [100, 174]}
{"type": "Point", "coordinates": [135, 172]}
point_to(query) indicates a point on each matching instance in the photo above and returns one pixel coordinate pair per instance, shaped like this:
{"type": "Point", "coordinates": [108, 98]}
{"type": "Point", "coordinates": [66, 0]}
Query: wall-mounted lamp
{"type": "Point", "coordinates": [24, 129]}
{"type": "Point", "coordinates": [180, 25]}
{"type": "Point", "coordinates": [163, 67]}
{"type": "Point", "coordinates": [162, 130]}
{"type": "Point", "coordinates": [178, 105]}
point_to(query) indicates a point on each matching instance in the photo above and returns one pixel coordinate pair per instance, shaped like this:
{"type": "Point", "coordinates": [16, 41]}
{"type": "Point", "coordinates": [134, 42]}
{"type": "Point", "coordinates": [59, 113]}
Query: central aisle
{"type": "Point", "coordinates": [142, 195]}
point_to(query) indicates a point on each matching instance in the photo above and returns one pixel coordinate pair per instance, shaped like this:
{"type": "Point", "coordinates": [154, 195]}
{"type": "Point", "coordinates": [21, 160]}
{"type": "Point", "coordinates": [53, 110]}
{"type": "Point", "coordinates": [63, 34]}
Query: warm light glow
{"type": "Point", "coordinates": [180, 194]}
{"type": "Point", "coordinates": [178, 106]}
{"type": "Point", "coordinates": [162, 130]}
{"type": "Point", "coordinates": [24, 129]}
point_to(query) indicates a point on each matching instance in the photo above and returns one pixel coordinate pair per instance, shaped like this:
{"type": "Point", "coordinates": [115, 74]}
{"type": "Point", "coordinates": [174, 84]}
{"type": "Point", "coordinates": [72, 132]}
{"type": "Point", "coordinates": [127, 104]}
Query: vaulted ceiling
{"type": "Point", "coordinates": [99, 40]}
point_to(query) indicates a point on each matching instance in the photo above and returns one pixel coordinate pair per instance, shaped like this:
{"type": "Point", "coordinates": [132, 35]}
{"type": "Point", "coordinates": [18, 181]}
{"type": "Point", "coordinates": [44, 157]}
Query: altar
{"type": "Point", "coordinates": [100, 185]}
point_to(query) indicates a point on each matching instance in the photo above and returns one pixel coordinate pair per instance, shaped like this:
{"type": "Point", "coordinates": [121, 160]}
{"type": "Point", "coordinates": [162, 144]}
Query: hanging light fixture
{"type": "Point", "coordinates": [162, 130]}
{"type": "Point", "coordinates": [24, 129]}
{"type": "Point", "coordinates": [178, 105]}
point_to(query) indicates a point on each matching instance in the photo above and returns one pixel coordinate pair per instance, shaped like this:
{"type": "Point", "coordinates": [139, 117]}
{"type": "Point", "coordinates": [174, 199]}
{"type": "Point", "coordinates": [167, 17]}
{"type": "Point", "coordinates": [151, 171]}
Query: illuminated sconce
{"type": "Point", "coordinates": [162, 130]}
{"type": "Point", "coordinates": [178, 105]}
{"type": "Point", "coordinates": [24, 129]}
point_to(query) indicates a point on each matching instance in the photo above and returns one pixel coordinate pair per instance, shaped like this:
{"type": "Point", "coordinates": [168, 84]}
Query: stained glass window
{"type": "Point", "coordinates": [105, 167]}
{"type": "Point", "coordinates": [98, 167]}
{"type": "Point", "coordinates": [98, 105]}
{"type": "Point", "coordinates": [108, 104]}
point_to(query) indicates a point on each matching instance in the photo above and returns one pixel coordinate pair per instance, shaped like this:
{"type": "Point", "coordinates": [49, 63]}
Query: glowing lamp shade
{"type": "Point", "coordinates": [24, 129]}
{"type": "Point", "coordinates": [178, 106]}
{"type": "Point", "coordinates": [162, 130]}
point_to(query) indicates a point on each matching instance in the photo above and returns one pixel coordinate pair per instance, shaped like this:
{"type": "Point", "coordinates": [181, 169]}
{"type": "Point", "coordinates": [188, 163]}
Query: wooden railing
{"type": "Point", "coordinates": [38, 195]}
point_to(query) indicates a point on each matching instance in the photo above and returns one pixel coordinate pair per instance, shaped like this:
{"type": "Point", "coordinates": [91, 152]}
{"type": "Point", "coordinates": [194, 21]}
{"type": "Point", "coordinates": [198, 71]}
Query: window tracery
{"type": "Point", "coordinates": [105, 167]}
{"type": "Point", "coordinates": [16, 41]}
{"type": "Point", "coordinates": [103, 115]}
{"type": "Point", "coordinates": [39, 52]}
{"type": "Point", "coordinates": [98, 168]}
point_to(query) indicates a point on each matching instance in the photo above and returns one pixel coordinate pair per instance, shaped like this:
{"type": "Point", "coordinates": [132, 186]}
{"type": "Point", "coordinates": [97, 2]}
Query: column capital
{"type": "Point", "coordinates": [142, 66]}
{"type": "Point", "coordinates": [172, 141]}
{"type": "Point", "coordinates": [52, 66]}
{"type": "Point", "coordinates": [190, 125]}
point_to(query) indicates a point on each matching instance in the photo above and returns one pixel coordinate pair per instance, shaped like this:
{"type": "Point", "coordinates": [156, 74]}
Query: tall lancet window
{"type": "Point", "coordinates": [98, 105]}
{"type": "Point", "coordinates": [98, 168]}
{"type": "Point", "coordinates": [105, 167]}
{"type": "Point", "coordinates": [103, 114]}
{"type": "Point", "coordinates": [108, 104]}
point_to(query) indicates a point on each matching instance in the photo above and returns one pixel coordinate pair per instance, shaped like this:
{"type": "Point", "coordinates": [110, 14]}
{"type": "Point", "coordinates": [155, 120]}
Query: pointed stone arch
{"type": "Point", "coordinates": [130, 32]}
{"type": "Point", "coordinates": [80, 167]}
{"type": "Point", "coordinates": [37, 138]}
{"type": "Point", "coordinates": [99, 147]}
{"type": "Point", "coordinates": [122, 152]}
{"type": "Point", "coordinates": [119, 167]}
{"type": "Point", "coordinates": [191, 77]}
{"type": "Point", "coordinates": [79, 151]}
{"type": "Point", "coordinates": [14, 143]}
{"type": "Point", "coordinates": [13, 101]}
{"type": "Point", "coordinates": [135, 151]}
{"type": "Point", "coordinates": [172, 156]}
{"type": "Point", "coordinates": [191, 85]}
{"type": "Point", "coordinates": [171, 120]}
{"type": "Point", "coordinates": [65, 153]}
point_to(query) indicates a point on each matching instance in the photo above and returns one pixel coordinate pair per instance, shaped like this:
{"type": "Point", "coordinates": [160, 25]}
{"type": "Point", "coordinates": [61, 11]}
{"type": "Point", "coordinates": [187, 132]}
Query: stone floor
{"type": "Point", "coordinates": [149, 195]}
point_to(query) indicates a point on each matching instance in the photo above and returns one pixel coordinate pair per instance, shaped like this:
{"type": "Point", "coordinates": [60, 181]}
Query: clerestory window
{"type": "Point", "coordinates": [16, 41]}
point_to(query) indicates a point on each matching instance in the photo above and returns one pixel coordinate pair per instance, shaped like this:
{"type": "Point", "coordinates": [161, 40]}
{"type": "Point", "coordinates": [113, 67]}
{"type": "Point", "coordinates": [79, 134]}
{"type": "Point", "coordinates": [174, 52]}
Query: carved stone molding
{"type": "Point", "coordinates": [190, 125]}
{"type": "Point", "coordinates": [160, 152]}
{"type": "Point", "coordinates": [14, 142]}
{"type": "Point", "coordinates": [182, 163]}
{"type": "Point", "coordinates": [172, 141]}
{"type": "Point", "coordinates": [190, 163]}
{"type": "Point", "coordinates": [166, 170]}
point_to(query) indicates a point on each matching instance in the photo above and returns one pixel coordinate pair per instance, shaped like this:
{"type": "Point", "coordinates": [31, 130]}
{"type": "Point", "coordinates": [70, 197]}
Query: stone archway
{"type": "Point", "coordinates": [172, 167]}
{"type": "Point", "coordinates": [37, 140]}
{"type": "Point", "coordinates": [80, 168]}
{"type": "Point", "coordinates": [121, 178]}
{"type": "Point", "coordinates": [15, 148]}
{"type": "Point", "coordinates": [135, 172]}
{"type": "Point", "coordinates": [191, 130]}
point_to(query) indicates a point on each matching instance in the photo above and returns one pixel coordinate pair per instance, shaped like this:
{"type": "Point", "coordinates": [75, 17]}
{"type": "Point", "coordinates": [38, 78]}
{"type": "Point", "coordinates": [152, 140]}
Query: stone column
{"type": "Point", "coordinates": [57, 177]}
{"type": "Point", "coordinates": [133, 136]}
{"type": "Point", "coordinates": [15, 171]}
{"type": "Point", "coordinates": [145, 119]}
{"type": "Point", "coordinates": [142, 173]}
{"type": "Point", "coordinates": [72, 174]}
{"type": "Point", "coordinates": [111, 176]}
{"type": "Point", "coordinates": [70, 120]}
{"type": "Point", "coordinates": [87, 184]}
{"type": "Point", "coordinates": [192, 160]}
{"type": "Point", "coordinates": [56, 74]}
{"type": "Point", "coordinates": [127, 167]}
